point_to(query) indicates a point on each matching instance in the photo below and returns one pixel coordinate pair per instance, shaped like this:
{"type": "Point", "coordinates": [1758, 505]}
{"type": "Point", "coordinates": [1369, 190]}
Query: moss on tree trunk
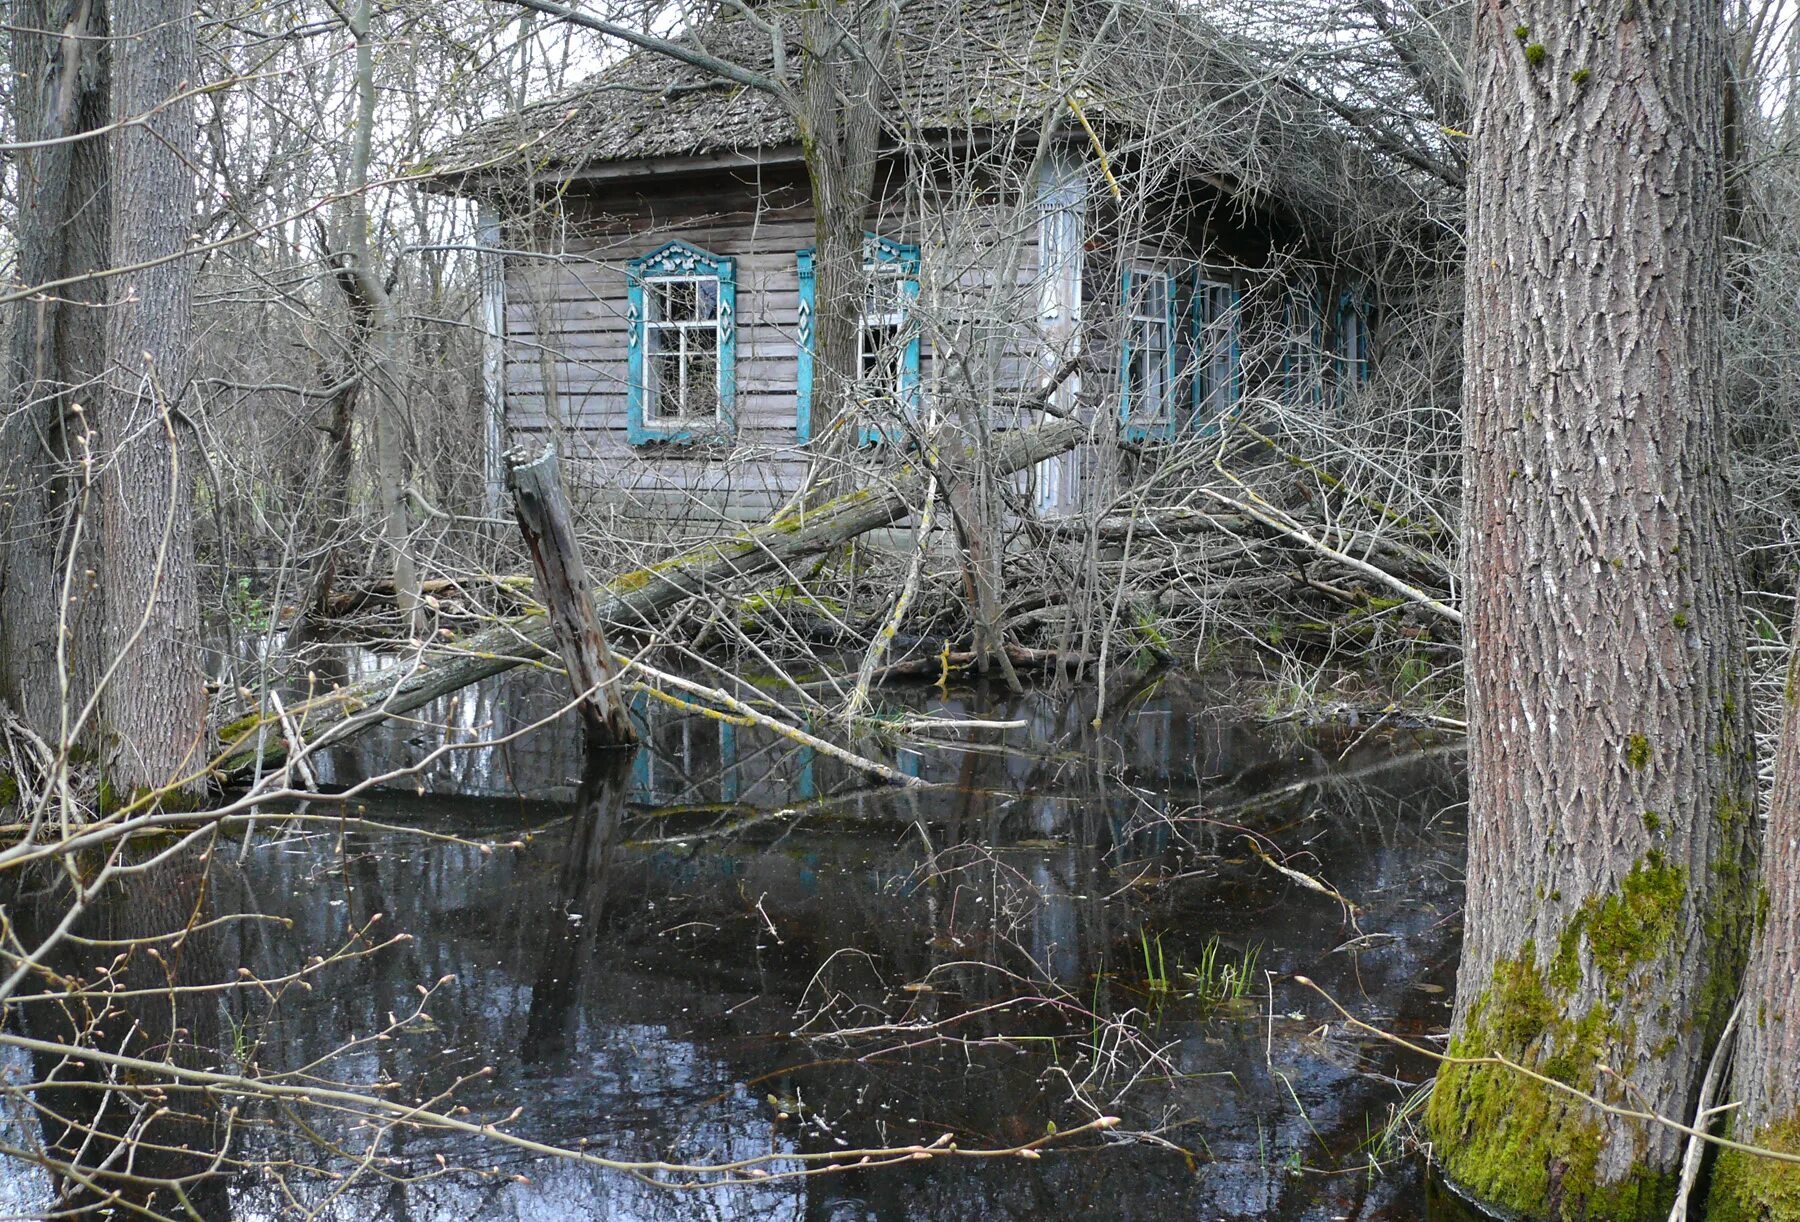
{"type": "Point", "coordinates": [1611, 852]}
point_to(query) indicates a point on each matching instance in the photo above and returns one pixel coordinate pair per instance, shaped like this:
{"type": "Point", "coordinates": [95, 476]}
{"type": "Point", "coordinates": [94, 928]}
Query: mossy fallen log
{"type": "Point", "coordinates": [630, 599]}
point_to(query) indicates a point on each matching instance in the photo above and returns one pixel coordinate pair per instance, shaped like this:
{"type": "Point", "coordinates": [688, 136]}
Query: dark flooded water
{"type": "Point", "coordinates": [734, 947]}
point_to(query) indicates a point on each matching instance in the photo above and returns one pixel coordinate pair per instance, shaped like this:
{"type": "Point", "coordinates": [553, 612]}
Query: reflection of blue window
{"type": "Point", "coordinates": [887, 342]}
{"type": "Point", "coordinates": [1354, 318]}
{"type": "Point", "coordinates": [1302, 382]}
{"type": "Point", "coordinates": [1214, 309]}
{"type": "Point", "coordinates": [730, 783]}
{"type": "Point", "coordinates": [806, 783]}
{"type": "Point", "coordinates": [1147, 354]}
{"type": "Point", "coordinates": [682, 343]}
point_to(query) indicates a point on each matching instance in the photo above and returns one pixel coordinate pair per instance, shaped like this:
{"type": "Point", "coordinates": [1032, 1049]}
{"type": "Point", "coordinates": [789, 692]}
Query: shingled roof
{"type": "Point", "coordinates": [1139, 71]}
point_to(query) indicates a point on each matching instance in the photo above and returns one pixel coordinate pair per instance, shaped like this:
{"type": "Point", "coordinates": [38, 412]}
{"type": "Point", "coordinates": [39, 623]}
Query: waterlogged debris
{"type": "Point", "coordinates": [623, 973]}
{"type": "Point", "coordinates": [1307, 881]}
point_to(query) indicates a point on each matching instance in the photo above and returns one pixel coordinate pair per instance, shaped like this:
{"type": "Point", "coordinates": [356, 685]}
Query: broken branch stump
{"type": "Point", "coordinates": [542, 508]}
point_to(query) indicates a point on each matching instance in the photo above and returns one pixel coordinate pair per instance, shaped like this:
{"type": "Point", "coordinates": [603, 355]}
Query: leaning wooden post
{"type": "Point", "coordinates": [562, 583]}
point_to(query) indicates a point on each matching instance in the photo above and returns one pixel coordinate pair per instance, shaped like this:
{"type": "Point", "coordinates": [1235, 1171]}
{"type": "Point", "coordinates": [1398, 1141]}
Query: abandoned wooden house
{"type": "Point", "coordinates": [1056, 180]}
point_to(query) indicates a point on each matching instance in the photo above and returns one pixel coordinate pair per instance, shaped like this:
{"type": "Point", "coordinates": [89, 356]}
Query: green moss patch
{"type": "Point", "coordinates": [1634, 926]}
{"type": "Point", "coordinates": [1519, 1144]}
{"type": "Point", "coordinates": [1748, 1188]}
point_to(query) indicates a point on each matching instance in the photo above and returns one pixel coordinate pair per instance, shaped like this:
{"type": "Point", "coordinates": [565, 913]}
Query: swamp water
{"type": "Point", "coordinates": [735, 945]}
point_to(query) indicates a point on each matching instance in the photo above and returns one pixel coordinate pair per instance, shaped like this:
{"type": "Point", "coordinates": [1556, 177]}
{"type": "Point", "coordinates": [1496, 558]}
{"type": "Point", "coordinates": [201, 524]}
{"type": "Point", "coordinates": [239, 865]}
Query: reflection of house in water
{"type": "Point", "coordinates": [1120, 788]}
{"type": "Point", "coordinates": [641, 994]}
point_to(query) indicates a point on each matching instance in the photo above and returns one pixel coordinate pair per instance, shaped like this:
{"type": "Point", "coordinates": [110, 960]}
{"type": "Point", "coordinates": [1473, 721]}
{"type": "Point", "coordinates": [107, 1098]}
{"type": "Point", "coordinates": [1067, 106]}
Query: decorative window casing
{"type": "Point", "coordinates": [1215, 312]}
{"type": "Point", "coordinates": [675, 763]}
{"type": "Point", "coordinates": [682, 326]}
{"type": "Point", "coordinates": [887, 341]}
{"type": "Point", "coordinates": [1147, 354]}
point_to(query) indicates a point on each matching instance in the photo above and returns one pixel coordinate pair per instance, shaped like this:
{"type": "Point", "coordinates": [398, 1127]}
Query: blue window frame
{"type": "Point", "coordinates": [1303, 339]}
{"type": "Point", "coordinates": [887, 342]}
{"type": "Point", "coordinates": [1215, 310]}
{"type": "Point", "coordinates": [1355, 316]}
{"type": "Point", "coordinates": [1147, 354]}
{"type": "Point", "coordinates": [681, 380]}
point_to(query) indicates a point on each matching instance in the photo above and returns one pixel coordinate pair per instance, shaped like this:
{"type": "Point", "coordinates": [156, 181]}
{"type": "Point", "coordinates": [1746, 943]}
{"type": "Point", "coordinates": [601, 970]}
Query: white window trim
{"type": "Point", "coordinates": [1215, 357]}
{"type": "Point", "coordinates": [1136, 323]}
{"type": "Point", "coordinates": [653, 421]}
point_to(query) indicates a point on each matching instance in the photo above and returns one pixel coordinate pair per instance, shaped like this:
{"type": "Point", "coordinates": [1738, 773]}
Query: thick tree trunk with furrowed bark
{"type": "Point", "coordinates": [52, 643]}
{"type": "Point", "coordinates": [1611, 855]}
{"type": "Point", "coordinates": [154, 703]}
{"type": "Point", "coordinates": [846, 49]}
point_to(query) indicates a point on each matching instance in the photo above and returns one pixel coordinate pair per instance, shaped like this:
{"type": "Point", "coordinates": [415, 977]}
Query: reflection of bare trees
{"type": "Point", "coordinates": [139, 976]}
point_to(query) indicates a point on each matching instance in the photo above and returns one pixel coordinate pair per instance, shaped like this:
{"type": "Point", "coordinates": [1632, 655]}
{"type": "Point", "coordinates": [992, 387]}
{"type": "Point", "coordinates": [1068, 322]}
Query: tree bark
{"type": "Point", "coordinates": [975, 509]}
{"type": "Point", "coordinates": [391, 467]}
{"type": "Point", "coordinates": [542, 509]}
{"type": "Point", "coordinates": [1611, 856]}
{"type": "Point", "coordinates": [630, 598]}
{"type": "Point", "coordinates": [1766, 1079]}
{"type": "Point", "coordinates": [154, 704]}
{"type": "Point", "coordinates": [48, 519]}
{"type": "Point", "coordinates": [847, 48]}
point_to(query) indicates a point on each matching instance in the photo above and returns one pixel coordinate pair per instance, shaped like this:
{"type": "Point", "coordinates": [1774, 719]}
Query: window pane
{"type": "Point", "coordinates": [674, 301]}
{"type": "Point", "coordinates": [663, 399]}
{"type": "Point", "coordinates": [702, 380]}
{"type": "Point", "coordinates": [706, 299]}
{"type": "Point", "coordinates": [1156, 299]}
{"type": "Point", "coordinates": [878, 362]}
{"type": "Point", "coordinates": [882, 297]}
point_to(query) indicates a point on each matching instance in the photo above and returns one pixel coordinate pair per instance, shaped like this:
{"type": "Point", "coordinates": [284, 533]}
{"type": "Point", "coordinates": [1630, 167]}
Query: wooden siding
{"type": "Point", "coordinates": [567, 337]}
{"type": "Point", "coordinates": [567, 342]}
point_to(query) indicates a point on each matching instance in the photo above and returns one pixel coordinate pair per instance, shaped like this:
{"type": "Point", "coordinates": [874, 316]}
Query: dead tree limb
{"type": "Point", "coordinates": [630, 599]}
{"type": "Point", "coordinates": [542, 509]}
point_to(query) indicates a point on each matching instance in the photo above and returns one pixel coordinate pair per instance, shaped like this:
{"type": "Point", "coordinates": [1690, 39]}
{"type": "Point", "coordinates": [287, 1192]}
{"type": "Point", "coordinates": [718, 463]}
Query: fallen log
{"type": "Point", "coordinates": [629, 599]}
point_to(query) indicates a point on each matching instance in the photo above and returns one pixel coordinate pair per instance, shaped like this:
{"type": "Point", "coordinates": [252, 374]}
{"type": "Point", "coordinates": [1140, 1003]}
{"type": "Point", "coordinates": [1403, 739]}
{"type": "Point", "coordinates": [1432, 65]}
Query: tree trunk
{"type": "Point", "coordinates": [542, 509]}
{"type": "Point", "coordinates": [154, 705]}
{"type": "Point", "coordinates": [1611, 855]}
{"type": "Point", "coordinates": [847, 50]}
{"type": "Point", "coordinates": [391, 468]}
{"type": "Point", "coordinates": [1767, 1074]}
{"type": "Point", "coordinates": [629, 598]}
{"type": "Point", "coordinates": [975, 509]}
{"type": "Point", "coordinates": [48, 521]}
{"type": "Point", "coordinates": [332, 528]}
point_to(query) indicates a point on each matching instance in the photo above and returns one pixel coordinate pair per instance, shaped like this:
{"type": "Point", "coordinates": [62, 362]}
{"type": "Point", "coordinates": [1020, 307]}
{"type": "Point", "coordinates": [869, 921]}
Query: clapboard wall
{"type": "Point", "coordinates": [562, 361]}
{"type": "Point", "coordinates": [566, 343]}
